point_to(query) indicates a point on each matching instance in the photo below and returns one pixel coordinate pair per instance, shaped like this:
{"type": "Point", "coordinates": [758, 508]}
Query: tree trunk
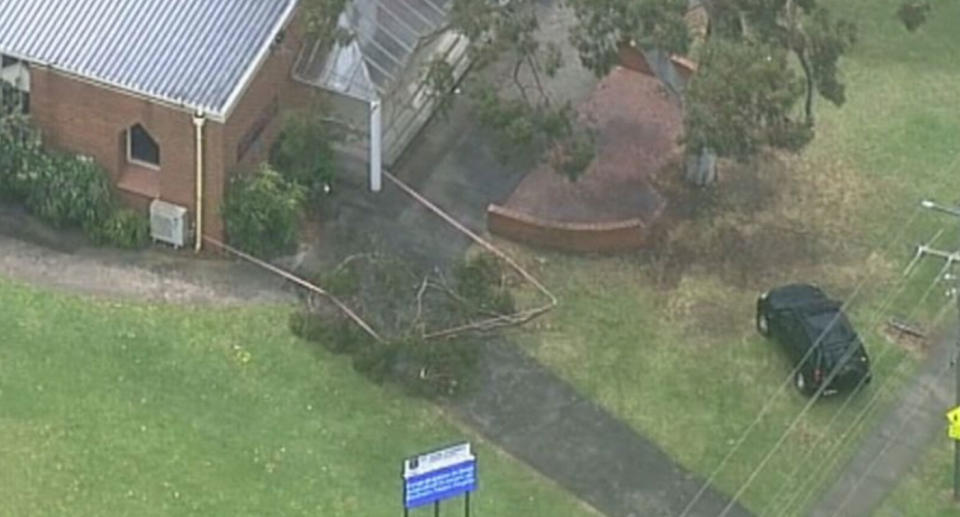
{"type": "Point", "coordinates": [808, 105]}
{"type": "Point", "coordinates": [701, 167]}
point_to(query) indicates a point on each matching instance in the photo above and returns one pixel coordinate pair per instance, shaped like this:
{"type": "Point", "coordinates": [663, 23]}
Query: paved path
{"type": "Point", "coordinates": [31, 252]}
{"type": "Point", "coordinates": [535, 416]}
{"type": "Point", "coordinates": [888, 452]}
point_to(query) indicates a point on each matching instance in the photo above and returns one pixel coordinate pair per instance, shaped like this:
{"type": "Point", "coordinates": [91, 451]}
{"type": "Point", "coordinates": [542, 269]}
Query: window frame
{"type": "Point", "coordinates": [129, 146]}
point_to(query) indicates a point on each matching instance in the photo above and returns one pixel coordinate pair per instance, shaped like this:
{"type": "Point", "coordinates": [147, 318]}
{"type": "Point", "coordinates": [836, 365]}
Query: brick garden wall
{"type": "Point", "coordinates": [610, 237]}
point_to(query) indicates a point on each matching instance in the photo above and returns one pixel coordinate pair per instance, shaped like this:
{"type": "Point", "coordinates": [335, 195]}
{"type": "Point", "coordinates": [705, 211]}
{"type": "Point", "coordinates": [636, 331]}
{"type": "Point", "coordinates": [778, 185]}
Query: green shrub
{"type": "Point", "coordinates": [303, 153]}
{"type": "Point", "coordinates": [261, 212]}
{"type": "Point", "coordinates": [375, 361]}
{"type": "Point", "coordinates": [575, 155]}
{"type": "Point", "coordinates": [68, 191]}
{"type": "Point", "coordinates": [20, 151]}
{"type": "Point", "coordinates": [64, 190]}
{"type": "Point", "coordinates": [422, 368]}
{"type": "Point", "coordinates": [478, 281]}
{"type": "Point", "coordinates": [342, 336]}
{"type": "Point", "coordinates": [124, 228]}
{"type": "Point", "coordinates": [437, 368]}
{"type": "Point", "coordinates": [308, 326]}
{"type": "Point", "coordinates": [343, 282]}
{"type": "Point", "coordinates": [348, 337]}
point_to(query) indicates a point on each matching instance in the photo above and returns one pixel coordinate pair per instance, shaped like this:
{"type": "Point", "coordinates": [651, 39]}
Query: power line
{"type": "Point", "coordinates": [783, 437]}
{"type": "Point", "coordinates": [901, 285]}
{"type": "Point", "coordinates": [768, 404]}
{"type": "Point", "coordinates": [883, 450]}
{"type": "Point", "coordinates": [950, 259]}
{"type": "Point", "coordinates": [831, 457]}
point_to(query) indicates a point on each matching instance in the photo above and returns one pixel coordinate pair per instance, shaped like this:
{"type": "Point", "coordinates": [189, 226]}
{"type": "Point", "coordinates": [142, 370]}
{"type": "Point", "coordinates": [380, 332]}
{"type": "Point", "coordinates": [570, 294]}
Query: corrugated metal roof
{"type": "Point", "coordinates": [386, 33]}
{"type": "Point", "coordinates": [197, 53]}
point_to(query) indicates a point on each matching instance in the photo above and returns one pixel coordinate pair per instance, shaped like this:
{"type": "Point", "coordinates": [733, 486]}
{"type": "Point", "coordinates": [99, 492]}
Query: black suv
{"type": "Point", "coordinates": [801, 317]}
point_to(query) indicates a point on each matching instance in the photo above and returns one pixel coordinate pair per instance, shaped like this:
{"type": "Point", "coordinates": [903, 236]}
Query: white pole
{"type": "Point", "coordinates": [375, 145]}
{"type": "Point", "coordinates": [198, 121]}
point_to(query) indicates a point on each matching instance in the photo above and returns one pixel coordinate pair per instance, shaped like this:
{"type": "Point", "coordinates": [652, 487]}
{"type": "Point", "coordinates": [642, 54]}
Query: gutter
{"type": "Point", "coordinates": [116, 87]}
{"type": "Point", "coordinates": [199, 119]}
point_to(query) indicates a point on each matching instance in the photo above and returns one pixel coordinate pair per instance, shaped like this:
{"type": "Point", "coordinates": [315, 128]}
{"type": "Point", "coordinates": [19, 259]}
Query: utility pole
{"type": "Point", "coordinates": [951, 259]}
{"type": "Point", "coordinates": [956, 443]}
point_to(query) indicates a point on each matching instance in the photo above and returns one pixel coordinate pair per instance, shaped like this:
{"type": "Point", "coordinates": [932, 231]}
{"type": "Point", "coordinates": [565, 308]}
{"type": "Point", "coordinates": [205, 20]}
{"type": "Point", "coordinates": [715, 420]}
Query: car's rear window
{"type": "Point", "coordinates": [837, 335]}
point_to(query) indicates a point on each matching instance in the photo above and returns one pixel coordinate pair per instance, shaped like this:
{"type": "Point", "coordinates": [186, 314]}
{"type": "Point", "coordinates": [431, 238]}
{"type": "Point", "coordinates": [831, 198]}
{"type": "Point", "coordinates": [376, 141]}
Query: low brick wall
{"type": "Point", "coordinates": [684, 66]}
{"type": "Point", "coordinates": [609, 237]}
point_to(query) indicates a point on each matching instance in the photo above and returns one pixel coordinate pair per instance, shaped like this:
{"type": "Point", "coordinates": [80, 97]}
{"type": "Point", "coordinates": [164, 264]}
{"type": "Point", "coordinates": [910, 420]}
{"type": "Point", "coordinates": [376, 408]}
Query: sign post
{"type": "Point", "coordinates": [438, 475]}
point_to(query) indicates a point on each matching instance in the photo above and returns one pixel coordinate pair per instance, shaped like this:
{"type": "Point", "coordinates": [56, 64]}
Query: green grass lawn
{"type": "Point", "coordinates": [668, 343]}
{"type": "Point", "coordinates": [687, 369]}
{"type": "Point", "coordinates": [928, 491]}
{"type": "Point", "coordinates": [116, 408]}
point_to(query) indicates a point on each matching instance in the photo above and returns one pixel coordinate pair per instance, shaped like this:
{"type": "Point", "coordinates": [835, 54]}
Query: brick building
{"type": "Point", "coordinates": [162, 94]}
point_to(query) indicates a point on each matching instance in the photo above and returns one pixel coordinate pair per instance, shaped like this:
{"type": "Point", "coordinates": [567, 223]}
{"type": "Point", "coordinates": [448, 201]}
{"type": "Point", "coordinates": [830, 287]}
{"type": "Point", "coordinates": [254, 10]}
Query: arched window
{"type": "Point", "coordinates": [142, 149]}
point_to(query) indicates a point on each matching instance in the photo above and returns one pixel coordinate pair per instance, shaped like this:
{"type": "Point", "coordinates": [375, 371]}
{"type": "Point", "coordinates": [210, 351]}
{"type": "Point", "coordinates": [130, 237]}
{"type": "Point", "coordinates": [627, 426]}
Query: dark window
{"type": "Point", "coordinates": [141, 147]}
{"type": "Point", "coordinates": [13, 100]}
{"type": "Point", "coordinates": [8, 61]}
{"type": "Point", "coordinates": [834, 332]}
{"type": "Point", "coordinates": [252, 136]}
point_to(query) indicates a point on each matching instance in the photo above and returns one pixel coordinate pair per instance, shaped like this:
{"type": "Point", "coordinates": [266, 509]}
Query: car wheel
{"type": "Point", "coordinates": [763, 324]}
{"type": "Point", "coordinates": [800, 380]}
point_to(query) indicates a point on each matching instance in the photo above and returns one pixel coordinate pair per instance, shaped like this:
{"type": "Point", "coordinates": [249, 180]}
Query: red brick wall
{"type": "Point", "coordinates": [273, 80]}
{"type": "Point", "coordinates": [84, 118]}
{"type": "Point", "coordinates": [273, 85]}
{"type": "Point", "coordinates": [580, 237]}
{"type": "Point", "coordinates": [80, 117]}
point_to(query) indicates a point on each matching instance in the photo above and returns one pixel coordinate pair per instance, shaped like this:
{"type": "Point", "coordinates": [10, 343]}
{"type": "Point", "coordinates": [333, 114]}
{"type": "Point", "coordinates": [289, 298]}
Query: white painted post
{"type": "Point", "coordinates": [375, 145]}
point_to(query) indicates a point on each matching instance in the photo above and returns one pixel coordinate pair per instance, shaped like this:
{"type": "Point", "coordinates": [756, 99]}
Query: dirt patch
{"type": "Point", "coordinates": [709, 309]}
{"type": "Point", "coordinates": [914, 344]}
{"type": "Point", "coordinates": [770, 220]}
{"type": "Point", "coordinates": [743, 254]}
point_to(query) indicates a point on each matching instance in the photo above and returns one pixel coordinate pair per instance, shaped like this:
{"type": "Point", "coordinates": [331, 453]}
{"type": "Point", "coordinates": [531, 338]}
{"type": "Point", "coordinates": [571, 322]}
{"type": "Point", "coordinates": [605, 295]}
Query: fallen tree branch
{"type": "Point", "coordinates": [423, 288]}
{"type": "Point", "coordinates": [301, 282]}
{"type": "Point", "coordinates": [345, 262]}
{"type": "Point", "coordinates": [517, 318]}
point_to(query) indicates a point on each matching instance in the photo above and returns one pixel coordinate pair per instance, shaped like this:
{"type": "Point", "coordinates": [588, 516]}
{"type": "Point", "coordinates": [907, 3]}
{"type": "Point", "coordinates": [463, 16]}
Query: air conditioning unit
{"type": "Point", "coordinates": [168, 223]}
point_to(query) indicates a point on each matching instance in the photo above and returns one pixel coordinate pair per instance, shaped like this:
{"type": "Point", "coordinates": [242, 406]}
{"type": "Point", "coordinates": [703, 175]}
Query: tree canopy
{"type": "Point", "coordinates": [913, 14]}
{"type": "Point", "coordinates": [744, 95]}
{"type": "Point", "coordinates": [605, 25]}
{"type": "Point", "coordinates": [740, 100]}
{"type": "Point", "coordinates": [504, 40]}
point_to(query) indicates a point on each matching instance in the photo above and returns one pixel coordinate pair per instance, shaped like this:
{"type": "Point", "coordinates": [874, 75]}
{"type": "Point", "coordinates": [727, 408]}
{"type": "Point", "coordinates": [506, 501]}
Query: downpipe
{"type": "Point", "coordinates": [199, 120]}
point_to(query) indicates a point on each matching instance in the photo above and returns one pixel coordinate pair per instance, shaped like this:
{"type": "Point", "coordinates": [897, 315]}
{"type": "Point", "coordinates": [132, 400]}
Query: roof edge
{"type": "Point", "coordinates": [227, 109]}
{"type": "Point", "coordinates": [117, 87]}
{"type": "Point", "coordinates": [160, 100]}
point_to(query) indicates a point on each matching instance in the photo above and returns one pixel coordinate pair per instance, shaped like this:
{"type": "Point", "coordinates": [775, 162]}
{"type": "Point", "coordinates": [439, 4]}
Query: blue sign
{"type": "Point", "coordinates": [439, 475]}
